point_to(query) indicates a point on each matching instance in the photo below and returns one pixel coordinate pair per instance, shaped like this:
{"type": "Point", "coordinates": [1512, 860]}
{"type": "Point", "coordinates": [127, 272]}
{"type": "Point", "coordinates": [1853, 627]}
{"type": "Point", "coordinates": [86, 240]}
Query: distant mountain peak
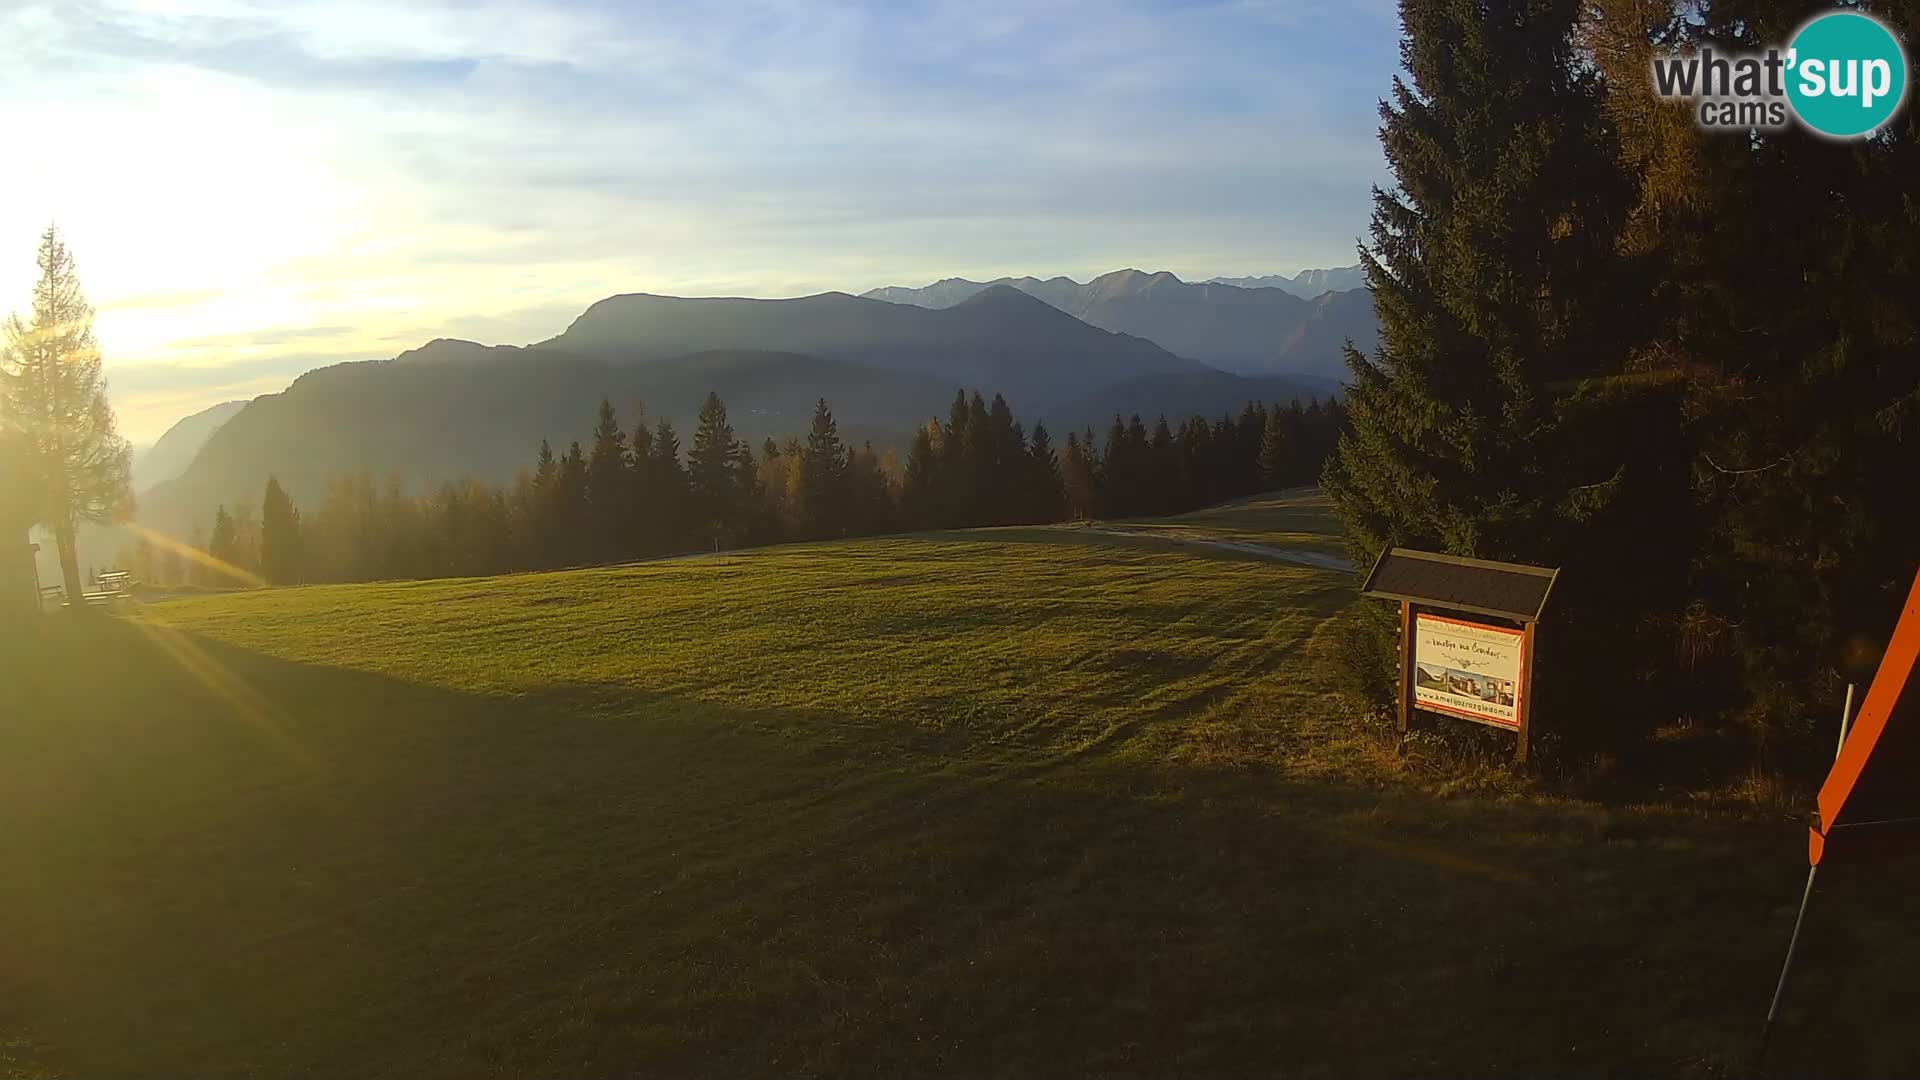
{"type": "Point", "coordinates": [1307, 284]}
{"type": "Point", "coordinates": [1004, 295]}
{"type": "Point", "coordinates": [1251, 326]}
{"type": "Point", "coordinates": [1132, 278]}
{"type": "Point", "coordinates": [444, 348]}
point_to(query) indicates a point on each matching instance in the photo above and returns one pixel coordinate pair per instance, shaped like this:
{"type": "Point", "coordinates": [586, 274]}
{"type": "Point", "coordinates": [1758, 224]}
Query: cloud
{"type": "Point", "coordinates": [248, 183]}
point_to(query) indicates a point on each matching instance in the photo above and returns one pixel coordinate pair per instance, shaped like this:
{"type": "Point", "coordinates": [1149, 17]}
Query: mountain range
{"type": "Point", "coordinates": [1306, 284]}
{"type": "Point", "coordinates": [1070, 354]}
{"type": "Point", "coordinates": [1248, 331]}
{"type": "Point", "coordinates": [998, 338]}
{"type": "Point", "coordinates": [454, 409]}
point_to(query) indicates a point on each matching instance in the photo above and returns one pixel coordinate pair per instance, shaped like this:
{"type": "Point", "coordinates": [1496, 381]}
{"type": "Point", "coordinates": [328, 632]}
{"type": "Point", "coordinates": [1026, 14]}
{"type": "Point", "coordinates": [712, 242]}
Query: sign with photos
{"type": "Point", "coordinates": [1470, 670]}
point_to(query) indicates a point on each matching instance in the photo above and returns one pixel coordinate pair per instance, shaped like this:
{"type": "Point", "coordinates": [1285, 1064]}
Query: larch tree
{"type": "Point", "coordinates": [53, 393]}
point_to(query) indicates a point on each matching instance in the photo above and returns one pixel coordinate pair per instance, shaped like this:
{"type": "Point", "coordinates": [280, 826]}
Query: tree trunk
{"type": "Point", "coordinates": [63, 536]}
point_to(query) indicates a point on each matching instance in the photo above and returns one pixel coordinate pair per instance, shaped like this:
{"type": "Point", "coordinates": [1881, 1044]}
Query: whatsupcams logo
{"type": "Point", "coordinates": [1843, 75]}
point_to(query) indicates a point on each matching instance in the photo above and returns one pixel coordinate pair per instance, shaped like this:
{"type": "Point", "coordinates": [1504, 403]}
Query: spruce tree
{"type": "Point", "coordinates": [1489, 423]}
{"type": "Point", "coordinates": [641, 469]}
{"type": "Point", "coordinates": [1120, 480]}
{"type": "Point", "coordinates": [223, 549]}
{"type": "Point", "coordinates": [543, 511]}
{"type": "Point", "coordinates": [823, 472]}
{"type": "Point", "coordinates": [957, 479]}
{"type": "Point", "coordinates": [1002, 465]}
{"type": "Point", "coordinates": [1077, 477]}
{"type": "Point", "coordinates": [280, 541]}
{"type": "Point", "coordinates": [1166, 488]}
{"type": "Point", "coordinates": [1790, 295]}
{"type": "Point", "coordinates": [719, 473]}
{"type": "Point", "coordinates": [1275, 450]}
{"type": "Point", "coordinates": [575, 514]}
{"type": "Point", "coordinates": [667, 495]}
{"type": "Point", "coordinates": [920, 486]}
{"type": "Point", "coordinates": [870, 497]}
{"type": "Point", "coordinates": [640, 446]}
{"type": "Point", "coordinates": [1195, 440]}
{"type": "Point", "coordinates": [1489, 275]}
{"type": "Point", "coordinates": [609, 484]}
{"type": "Point", "coordinates": [1043, 487]}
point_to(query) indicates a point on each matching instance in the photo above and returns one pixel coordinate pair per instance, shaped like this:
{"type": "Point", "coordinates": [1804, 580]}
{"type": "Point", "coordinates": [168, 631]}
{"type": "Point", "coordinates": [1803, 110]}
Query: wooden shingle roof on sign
{"type": "Point", "coordinates": [1506, 590]}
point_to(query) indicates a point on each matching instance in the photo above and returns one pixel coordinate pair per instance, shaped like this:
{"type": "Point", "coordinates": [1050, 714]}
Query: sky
{"type": "Point", "coordinates": [253, 189]}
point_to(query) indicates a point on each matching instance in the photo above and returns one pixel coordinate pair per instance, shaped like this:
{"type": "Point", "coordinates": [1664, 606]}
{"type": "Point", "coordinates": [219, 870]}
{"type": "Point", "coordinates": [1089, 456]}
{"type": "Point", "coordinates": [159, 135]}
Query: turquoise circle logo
{"type": "Point", "coordinates": [1846, 74]}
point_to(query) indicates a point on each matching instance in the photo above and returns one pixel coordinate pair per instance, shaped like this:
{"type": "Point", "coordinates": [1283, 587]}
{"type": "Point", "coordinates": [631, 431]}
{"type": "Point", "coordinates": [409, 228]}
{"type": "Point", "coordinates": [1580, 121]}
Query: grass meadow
{"type": "Point", "coordinates": [1022, 802]}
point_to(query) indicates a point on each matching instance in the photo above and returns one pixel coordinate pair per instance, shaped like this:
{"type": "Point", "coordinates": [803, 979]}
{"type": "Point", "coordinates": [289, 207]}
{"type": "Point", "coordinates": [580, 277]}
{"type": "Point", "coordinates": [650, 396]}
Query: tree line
{"type": "Point", "coordinates": [631, 492]}
{"type": "Point", "coordinates": [1681, 364]}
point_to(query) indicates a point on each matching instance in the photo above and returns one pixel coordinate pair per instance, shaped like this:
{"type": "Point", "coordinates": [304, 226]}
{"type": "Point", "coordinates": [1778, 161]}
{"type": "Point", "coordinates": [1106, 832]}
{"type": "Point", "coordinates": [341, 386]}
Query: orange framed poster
{"type": "Point", "coordinates": [1470, 670]}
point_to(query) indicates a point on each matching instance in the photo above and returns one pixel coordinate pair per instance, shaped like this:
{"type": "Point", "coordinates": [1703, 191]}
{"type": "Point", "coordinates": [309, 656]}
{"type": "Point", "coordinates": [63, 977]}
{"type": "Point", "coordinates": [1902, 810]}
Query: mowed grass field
{"type": "Point", "coordinates": [998, 803]}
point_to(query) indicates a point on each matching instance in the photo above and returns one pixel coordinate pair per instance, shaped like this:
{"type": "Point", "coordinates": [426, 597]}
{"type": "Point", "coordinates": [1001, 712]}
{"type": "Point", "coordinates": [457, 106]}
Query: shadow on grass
{"type": "Point", "coordinates": [1144, 541]}
{"type": "Point", "coordinates": [221, 863]}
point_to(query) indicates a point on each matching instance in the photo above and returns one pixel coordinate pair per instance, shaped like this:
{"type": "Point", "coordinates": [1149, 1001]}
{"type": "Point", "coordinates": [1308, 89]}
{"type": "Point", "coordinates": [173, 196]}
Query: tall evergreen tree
{"type": "Point", "coordinates": [575, 513]}
{"type": "Point", "coordinates": [1002, 464]}
{"type": "Point", "coordinates": [920, 487]}
{"type": "Point", "coordinates": [1274, 450]}
{"type": "Point", "coordinates": [52, 393]}
{"type": "Point", "coordinates": [280, 546]}
{"type": "Point", "coordinates": [958, 476]}
{"type": "Point", "coordinates": [1203, 483]}
{"type": "Point", "coordinates": [544, 509]}
{"type": "Point", "coordinates": [1166, 488]}
{"type": "Point", "coordinates": [609, 484]}
{"type": "Point", "coordinates": [870, 497]}
{"type": "Point", "coordinates": [1043, 489]}
{"type": "Point", "coordinates": [1789, 317]}
{"type": "Point", "coordinates": [1489, 423]}
{"type": "Point", "coordinates": [223, 549]}
{"type": "Point", "coordinates": [719, 473]}
{"type": "Point", "coordinates": [667, 493]}
{"type": "Point", "coordinates": [823, 467]}
{"type": "Point", "coordinates": [1078, 472]}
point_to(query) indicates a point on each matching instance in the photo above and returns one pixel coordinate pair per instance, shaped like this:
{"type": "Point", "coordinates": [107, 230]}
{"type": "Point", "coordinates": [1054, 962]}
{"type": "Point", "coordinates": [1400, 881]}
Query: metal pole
{"type": "Point", "coordinates": [1793, 943]}
{"type": "Point", "coordinates": [1780, 987]}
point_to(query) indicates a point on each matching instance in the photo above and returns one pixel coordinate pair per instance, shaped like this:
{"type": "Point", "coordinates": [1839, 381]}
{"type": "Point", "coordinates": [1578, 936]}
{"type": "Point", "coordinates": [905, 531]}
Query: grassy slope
{"type": "Point", "coordinates": [996, 803]}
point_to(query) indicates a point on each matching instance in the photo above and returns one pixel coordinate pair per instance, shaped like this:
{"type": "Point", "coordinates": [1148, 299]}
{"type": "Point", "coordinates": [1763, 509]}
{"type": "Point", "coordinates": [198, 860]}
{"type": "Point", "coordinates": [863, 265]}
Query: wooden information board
{"type": "Point", "coordinates": [1466, 635]}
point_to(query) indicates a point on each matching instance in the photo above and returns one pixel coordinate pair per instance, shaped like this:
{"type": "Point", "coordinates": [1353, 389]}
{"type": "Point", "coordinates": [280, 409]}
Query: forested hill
{"type": "Point", "coordinates": [456, 410]}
